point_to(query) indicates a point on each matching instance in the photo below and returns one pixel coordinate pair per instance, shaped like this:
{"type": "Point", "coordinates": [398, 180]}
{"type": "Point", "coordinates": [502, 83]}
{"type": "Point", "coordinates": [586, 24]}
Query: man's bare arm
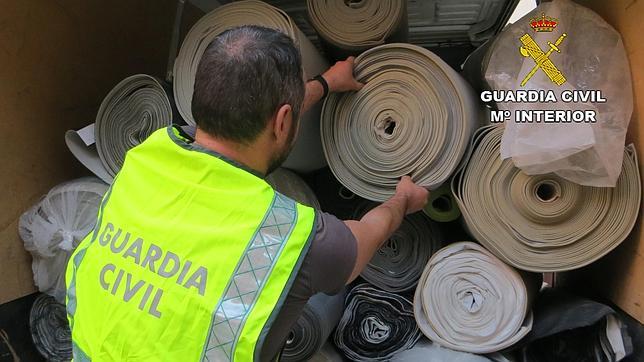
{"type": "Point", "coordinates": [339, 78]}
{"type": "Point", "coordinates": [377, 225]}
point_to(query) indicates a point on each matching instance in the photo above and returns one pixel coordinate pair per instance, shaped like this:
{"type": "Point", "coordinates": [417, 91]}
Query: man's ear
{"type": "Point", "coordinates": [283, 123]}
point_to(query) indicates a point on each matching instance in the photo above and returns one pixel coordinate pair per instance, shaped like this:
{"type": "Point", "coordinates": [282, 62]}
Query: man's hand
{"type": "Point", "coordinates": [340, 77]}
{"type": "Point", "coordinates": [416, 195]}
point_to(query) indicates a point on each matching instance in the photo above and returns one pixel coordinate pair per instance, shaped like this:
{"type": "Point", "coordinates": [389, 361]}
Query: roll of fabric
{"type": "Point", "coordinates": [291, 185]}
{"type": "Point", "coordinates": [53, 227]}
{"type": "Point", "coordinates": [398, 264]}
{"type": "Point", "coordinates": [414, 117]}
{"type": "Point", "coordinates": [319, 317]}
{"type": "Point", "coordinates": [425, 350]}
{"type": "Point", "coordinates": [50, 329]}
{"type": "Point", "coordinates": [328, 353]}
{"type": "Point", "coordinates": [543, 223]}
{"type": "Point", "coordinates": [441, 205]}
{"type": "Point", "coordinates": [468, 300]}
{"type": "Point", "coordinates": [307, 153]}
{"type": "Point", "coordinates": [375, 325]}
{"type": "Point", "coordinates": [131, 111]}
{"type": "Point", "coordinates": [355, 26]}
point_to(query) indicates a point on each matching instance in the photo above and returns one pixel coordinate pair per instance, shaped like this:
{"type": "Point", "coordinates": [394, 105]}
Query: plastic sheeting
{"type": "Point", "coordinates": [543, 223]}
{"type": "Point", "coordinates": [307, 153]}
{"type": "Point", "coordinates": [356, 26]}
{"type": "Point", "coordinates": [398, 264]}
{"type": "Point", "coordinates": [131, 111]}
{"type": "Point", "coordinates": [414, 117]}
{"type": "Point", "coordinates": [291, 185]}
{"type": "Point", "coordinates": [375, 325]}
{"type": "Point", "coordinates": [468, 300]}
{"type": "Point", "coordinates": [318, 320]}
{"type": "Point", "coordinates": [591, 57]}
{"type": "Point", "coordinates": [53, 227]}
{"type": "Point", "coordinates": [50, 329]}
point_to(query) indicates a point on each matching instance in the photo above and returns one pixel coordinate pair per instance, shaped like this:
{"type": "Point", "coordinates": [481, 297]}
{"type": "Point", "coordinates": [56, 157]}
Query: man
{"type": "Point", "coordinates": [194, 256]}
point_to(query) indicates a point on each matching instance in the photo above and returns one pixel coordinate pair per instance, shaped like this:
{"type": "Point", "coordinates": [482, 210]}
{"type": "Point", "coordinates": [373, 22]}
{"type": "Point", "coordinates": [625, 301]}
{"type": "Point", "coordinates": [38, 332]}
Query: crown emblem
{"type": "Point", "coordinates": [543, 24]}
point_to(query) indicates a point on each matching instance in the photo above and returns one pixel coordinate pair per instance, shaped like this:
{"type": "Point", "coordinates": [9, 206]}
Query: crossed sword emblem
{"type": "Point", "coordinates": [531, 49]}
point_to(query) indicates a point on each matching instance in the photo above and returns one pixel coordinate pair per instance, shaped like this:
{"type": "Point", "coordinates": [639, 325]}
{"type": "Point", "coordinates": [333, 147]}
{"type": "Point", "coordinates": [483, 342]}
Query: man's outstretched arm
{"type": "Point", "coordinates": [377, 225]}
{"type": "Point", "coordinates": [339, 78]}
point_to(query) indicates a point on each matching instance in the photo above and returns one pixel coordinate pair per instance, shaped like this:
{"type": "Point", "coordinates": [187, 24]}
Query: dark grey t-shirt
{"type": "Point", "coordinates": [325, 269]}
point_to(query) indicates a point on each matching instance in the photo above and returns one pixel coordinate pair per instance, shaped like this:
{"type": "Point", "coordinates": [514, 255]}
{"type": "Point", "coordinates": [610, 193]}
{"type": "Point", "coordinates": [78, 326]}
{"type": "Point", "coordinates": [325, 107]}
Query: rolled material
{"type": "Point", "coordinates": [543, 223]}
{"type": "Point", "coordinates": [133, 109]}
{"type": "Point", "coordinates": [357, 25]}
{"type": "Point", "coordinates": [307, 152]}
{"type": "Point", "coordinates": [441, 205]}
{"type": "Point", "coordinates": [50, 329]}
{"type": "Point", "coordinates": [398, 264]}
{"type": "Point", "coordinates": [291, 185]}
{"type": "Point", "coordinates": [413, 117]}
{"type": "Point", "coordinates": [319, 317]}
{"type": "Point", "coordinates": [53, 227]}
{"type": "Point", "coordinates": [375, 325]}
{"type": "Point", "coordinates": [425, 350]}
{"type": "Point", "coordinates": [468, 300]}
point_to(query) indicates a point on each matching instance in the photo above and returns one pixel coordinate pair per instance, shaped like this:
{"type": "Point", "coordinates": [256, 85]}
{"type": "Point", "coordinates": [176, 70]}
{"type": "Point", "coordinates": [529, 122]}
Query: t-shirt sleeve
{"type": "Point", "coordinates": [332, 255]}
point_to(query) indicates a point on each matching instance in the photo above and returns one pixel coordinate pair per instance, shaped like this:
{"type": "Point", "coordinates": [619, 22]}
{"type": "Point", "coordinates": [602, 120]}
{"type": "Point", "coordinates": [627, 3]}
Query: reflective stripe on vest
{"type": "Point", "coordinates": [191, 258]}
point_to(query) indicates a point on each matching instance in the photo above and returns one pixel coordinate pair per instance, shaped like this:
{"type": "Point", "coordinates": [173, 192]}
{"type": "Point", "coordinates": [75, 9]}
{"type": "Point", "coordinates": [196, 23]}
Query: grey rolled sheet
{"type": "Point", "coordinates": [469, 300]}
{"type": "Point", "coordinates": [542, 223]}
{"type": "Point", "coordinates": [290, 184]}
{"type": "Point", "coordinates": [398, 264]}
{"type": "Point", "coordinates": [414, 116]}
{"type": "Point", "coordinates": [311, 331]}
{"type": "Point", "coordinates": [375, 325]}
{"type": "Point", "coordinates": [425, 350]}
{"type": "Point", "coordinates": [50, 330]}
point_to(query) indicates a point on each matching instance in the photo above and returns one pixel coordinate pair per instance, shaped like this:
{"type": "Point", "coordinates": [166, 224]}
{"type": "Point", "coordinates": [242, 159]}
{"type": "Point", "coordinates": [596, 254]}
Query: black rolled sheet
{"type": "Point", "coordinates": [50, 330]}
{"type": "Point", "coordinates": [311, 331]}
{"type": "Point", "coordinates": [375, 325]}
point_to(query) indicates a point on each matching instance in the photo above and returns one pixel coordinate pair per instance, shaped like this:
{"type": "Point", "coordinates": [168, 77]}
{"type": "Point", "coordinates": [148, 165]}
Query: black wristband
{"type": "Point", "coordinates": [325, 85]}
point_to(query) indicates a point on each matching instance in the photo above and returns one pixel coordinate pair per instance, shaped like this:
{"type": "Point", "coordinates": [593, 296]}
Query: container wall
{"type": "Point", "coordinates": [58, 59]}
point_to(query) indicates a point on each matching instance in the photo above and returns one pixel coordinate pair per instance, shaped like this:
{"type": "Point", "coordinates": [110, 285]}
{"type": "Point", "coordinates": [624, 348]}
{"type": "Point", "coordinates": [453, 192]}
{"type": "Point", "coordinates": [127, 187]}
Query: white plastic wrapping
{"type": "Point", "coordinates": [592, 57]}
{"type": "Point", "coordinates": [53, 227]}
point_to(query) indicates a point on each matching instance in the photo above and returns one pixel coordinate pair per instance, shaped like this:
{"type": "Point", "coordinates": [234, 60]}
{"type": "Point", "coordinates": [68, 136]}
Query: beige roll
{"type": "Point", "coordinates": [542, 223]}
{"type": "Point", "coordinates": [468, 300]}
{"type": "Point", "coordinates": [357, 25]}
{"type": "Point", "coordinates": [414, 116]}
{"type": "Point", "coordinates": [307, 153]}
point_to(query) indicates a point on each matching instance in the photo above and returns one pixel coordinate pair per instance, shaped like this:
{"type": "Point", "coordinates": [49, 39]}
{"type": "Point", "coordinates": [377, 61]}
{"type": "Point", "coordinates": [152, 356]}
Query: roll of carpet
{"type": "Point", "coordinates": [292, 185]}
{"type": "Point", "coordinates": [543, 223]}
{"type": "Point", "coordinates": [414, 117]}
{"type": "Point", "coordinates": [350, 27]}
{"type": "Point", "coordinates": [468, 300]}
{"type": "Point", "coordinates": [311, 331]}
{"type": "Point", "coordinates": [307, 153]}
{"type": "Point", "coordinates": [53, 227]}
{"type": "Point", "coordinates": [50, 329]}
{"type": "Point", "coordinates": [441, 205]}
{"type": "Point", "coordinates": [130, 112]}
{"type": "Point", "coordinates": [375, 325]}
{"type": "Point", "coordinates": [398, 264]}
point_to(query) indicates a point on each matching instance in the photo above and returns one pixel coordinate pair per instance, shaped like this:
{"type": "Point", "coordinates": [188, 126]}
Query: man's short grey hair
{"type": "Point", "coordinates": [245, 75]}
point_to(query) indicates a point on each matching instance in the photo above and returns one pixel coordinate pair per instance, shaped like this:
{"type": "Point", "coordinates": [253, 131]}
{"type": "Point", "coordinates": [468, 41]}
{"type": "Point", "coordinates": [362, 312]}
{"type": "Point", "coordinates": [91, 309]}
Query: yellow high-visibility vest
{"type": "Point", "coordinates": [191, 259]}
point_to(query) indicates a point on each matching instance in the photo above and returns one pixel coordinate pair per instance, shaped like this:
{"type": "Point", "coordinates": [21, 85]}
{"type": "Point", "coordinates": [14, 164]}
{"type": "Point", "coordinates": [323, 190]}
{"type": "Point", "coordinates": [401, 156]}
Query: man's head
{"type": "Point", "coordinates": [249, 84]}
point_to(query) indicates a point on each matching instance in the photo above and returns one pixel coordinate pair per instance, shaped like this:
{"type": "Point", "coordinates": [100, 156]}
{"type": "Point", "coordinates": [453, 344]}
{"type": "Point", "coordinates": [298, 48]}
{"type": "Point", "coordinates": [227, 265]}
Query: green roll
{"type": "Point", "coordinates": [441, 205]}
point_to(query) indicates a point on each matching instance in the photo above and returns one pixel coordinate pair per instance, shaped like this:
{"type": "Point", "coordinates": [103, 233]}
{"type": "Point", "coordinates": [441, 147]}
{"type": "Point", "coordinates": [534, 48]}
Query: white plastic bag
{"type": "Point", "coordinates": [592, 57]}
{"type": "Point", "coordinates": [53, 228]}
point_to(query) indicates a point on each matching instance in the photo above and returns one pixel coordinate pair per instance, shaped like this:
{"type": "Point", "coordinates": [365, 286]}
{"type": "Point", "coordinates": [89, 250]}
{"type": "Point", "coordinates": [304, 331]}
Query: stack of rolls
{"type": "Point", "coordinates": [543, 223]}
{"type": "Point", "coordinates": [375, 325]}
{"type": "Point", "coordinates": [398, 264]}
{"type": "Point", "coordinates": [414, 116]}
{"type": "Point", "coordinates": [307, 152]}
{"type": "Point", "coordinates": [350, 27]}
{"type": "Point", "coordinates": [468, 300]}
